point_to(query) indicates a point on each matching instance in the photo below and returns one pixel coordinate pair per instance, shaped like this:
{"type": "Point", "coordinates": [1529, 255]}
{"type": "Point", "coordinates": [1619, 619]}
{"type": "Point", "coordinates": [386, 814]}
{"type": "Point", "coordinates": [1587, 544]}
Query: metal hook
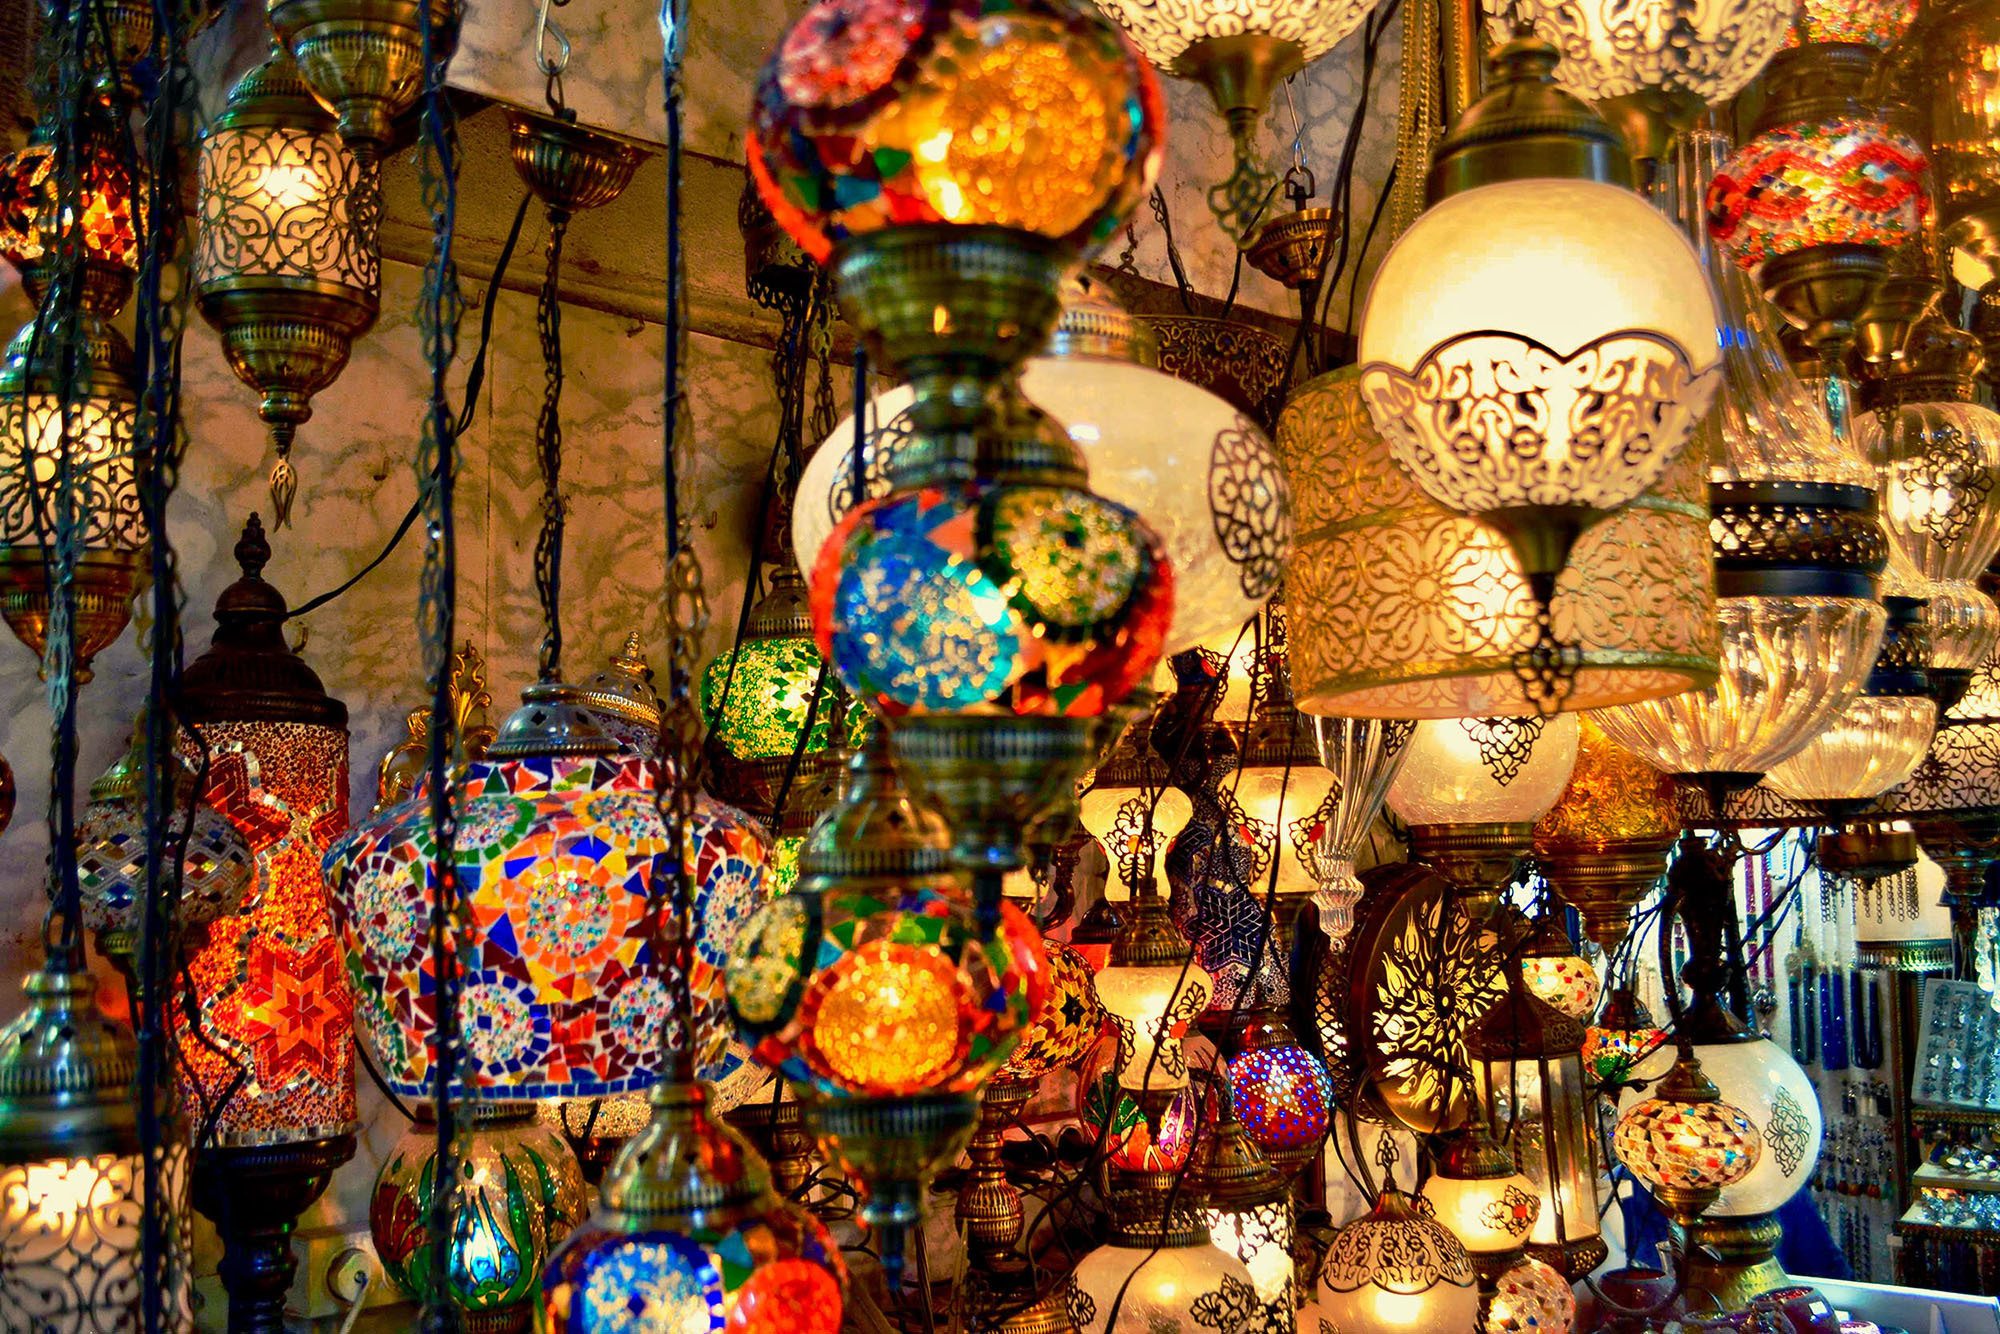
{"type": "Point", "coordinates": [1298, 131]}
{"type": "Point", "coordinates": [551, 66]}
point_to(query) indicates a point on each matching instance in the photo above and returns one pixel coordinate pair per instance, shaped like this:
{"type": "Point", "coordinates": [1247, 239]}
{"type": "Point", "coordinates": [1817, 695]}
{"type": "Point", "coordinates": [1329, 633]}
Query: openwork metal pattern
{"type": "Point", "coordinates": [70, 1231]}
{"type": "Point", "coordinates": [1165, 29]}
{"type": "Point", "coordinates": [285, 203]}
{"type": "Point", "coordinates": [1505, 744]}
{"type": "Point", "coordinates": [1611, 48]}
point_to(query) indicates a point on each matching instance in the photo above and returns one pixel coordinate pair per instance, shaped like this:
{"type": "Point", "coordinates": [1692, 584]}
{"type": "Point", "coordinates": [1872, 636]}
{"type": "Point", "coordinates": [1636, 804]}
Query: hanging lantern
{"type": "Point", "coordinates": [620, 698]}
{"type": "Point", "coordinates": [1686, 1143]}
{"type": "Point", "coordinates": [1144, 434]}
{"type": "Point", "coordinates": [286, 267]}
{"type": "Point", "coordinates": [41, 417]}
{"type": "Point", "coordinates": [1527, 1068]}
{"type": "Point", "coordinates": [1393, 1269]}
{"type": "Point", "coordinates": [1471, 790]}
{"type": "Point", "coordinates": [1478, 1191]}
{"type": "Point", "coordinates": [1531, 1298]}
{"type": "Point", "coordinates": [1160, 1268]}
{"type": "Point", "coordinates": [1153, 1129]}
{"type": "Point", "coordinates": [1280, 1093]}
{"type": "Point", "coordinates": [1152, 989]}
{"type": "Point", "coordinates": [559, 842]}
{"type": "Point", "coordinates": [1364, 755]}
{"type": "Point", "coordinates": [72, 1178]}
{"type": "Point", "coordinates": [1637, 601]}
{"type": "Point", "coordinates": [1952, 801]}
{"type": "Point", "coordinates": [1953, 54]}
{"type": "Point", "coordinates": [1936, 453]}
{"type": "Point", "coordinates": [1652, 75]}
{"type": "Point", "coordinates": [31, 223]}
{"type": "Point", "coordinates": [1622, 1036]}
{"type": "Point", "coordinates": [365, 59]}
{"type": "Point", "coordinates": [1555, 973]}
{"type": "Point", "coordinates": [952, 249]}
{"type": "Point", "coordinates": [519, 1193]}
{"type": "Point", "coordinates": [1796, 547]}
{"type": "Point", "coordinates": [1134, 813]}
{"type": "Point", "coordinates": [1604, 844]}
{"type": "Point", "coordinates": [1247, 1204]}
{"type": "Point", "coordinates": [216, 869]}
{"type": "Point", "coordinates": [1240, 55]}
{"type": "Point", "coordinates": [1532, 457]}
{"type": "Point", "coordinates": [874, 988]}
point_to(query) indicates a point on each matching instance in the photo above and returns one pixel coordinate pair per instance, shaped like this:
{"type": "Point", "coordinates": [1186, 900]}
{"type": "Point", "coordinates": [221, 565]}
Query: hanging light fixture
{"type": "Point", "coordinates": [1471, 790]}
{"type": "Point", "coordinates": [1240, 55]}
{"type": "Point", "coordinates": [1686, 1143]}
{"type": "Point", "coordinates": [40, 421]}
{"type": "Point", "coordinates": [1475, 391]}
{"type": "Point", "coordinates": [1160, 1266]}
{"type": "Point", "coordinates": [1134, 813]}
{"type": "Point", "coordinates": [1604, 844]}
{"type": "Point", "coordinates": [108, 197]}
{"type": "Point", "coordinates": [1527, 1069]}
{"type": "Point", "coordinates": [1952, 55]}
{"type": "Point", "coordinates": [1622, 1036]}
{"type": "Point", "coordinates": [216, 871]}
{"type": "Point", "coordinates": [1246, 1202]}
{"type": "Point", "coordinates": [1952, 801]}
{"type": "Point", "coordinates": [949, 247]}
{"type": "Point", "coordinates": [1478, 1191]}
{"type": "Point", "coordinates": [365, 60]}
{"type": "Point", "coordinates": [518, 1194]}
{"type": "Point", "coordinates": [1556, 974]}
{"type": "Point", "coordinates": [873, 987]}
{"type": "Point", "coordinates": [1364, 755]}
{"type": "Point", "coordinates": [1936, 453]}
{"type": "Point", "coordinates": [1797, 547]}
{"type": "Point", "coordinates": [1393, 1269]}
{"type": "Point", "coordinates": [286, 266]}
{"type": "Point", "coordinates": [1145, 435]}
{"type": "Point", "coordinates": [1652, 75]}
{"type": "Point", "coordinates": [272, 1058]}
{"type": "Point", "coordinates": [1637, 602]}
{"type": "Point", "coordinates": [1152, 989]}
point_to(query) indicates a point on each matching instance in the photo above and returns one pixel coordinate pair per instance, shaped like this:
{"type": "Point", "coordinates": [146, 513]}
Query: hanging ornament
{"type": "Point", "coordinates": [1364, 755]}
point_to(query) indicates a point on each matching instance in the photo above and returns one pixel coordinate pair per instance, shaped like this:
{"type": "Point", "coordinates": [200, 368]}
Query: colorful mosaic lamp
{"type": "Point", "coordinates": [1555, 973]}
{"type": "Point", "coordinates": [273, 1062]}
{"type": "Point", "coordinates": [519, 1193]}
{"type": "Point", "coordinates": [874, 988]}
{"type": "Point", "coordinates": [1395, 1269]}
{"type": "Point", "coordinates": [30, 223]}
{"type": "Point", "coordinates": [1686, 1143]}
{"type": "Point", "coordinates": [952, 169]}
{"type": "Point", "coordinates": [1531, 1298]}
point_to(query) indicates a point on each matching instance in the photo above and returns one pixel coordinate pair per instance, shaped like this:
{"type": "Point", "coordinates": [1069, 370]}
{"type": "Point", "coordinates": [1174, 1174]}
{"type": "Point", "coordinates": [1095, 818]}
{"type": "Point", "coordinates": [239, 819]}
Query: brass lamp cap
{"type": "Point", "coordinates": [1521, 1025]}
{"type": "Point", "coordinates": [274, 95]}
{"type": "Point", "coordinates": [1095, 326]}
{"type": "Point", "coordinates": [551, 721]}
{"type": "Point", "coordinates": [684, 1166]}
{"type": "Point", "coordinates": [783, 612]}
{"type": "Point", "coordinates": [624, 689]}
{"type": "Point", "coordinates": [67, 1075]}
{"type": "Point", "coordinates": [1941, 363]}
{"type": "Point", "coordinates": [103, 363]}
{"type": "Point", "coordinates": [1150, 939]}
{"type": "Point", "coordinates": [878, 831]}
{"type": "Point", "coordinates": [1472, 1154]}
{"type": "Point", "coordinates": [249, 673]}
{"type": "Point", "coordinates": [1526, 127]}
{"type": "Point", "coordinates": [1234, 1174]}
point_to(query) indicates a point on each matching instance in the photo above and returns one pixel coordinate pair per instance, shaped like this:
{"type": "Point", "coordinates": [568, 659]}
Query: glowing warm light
{"type": "Point", "coordinates": [1135, 828]}
{"type": "Point", "coordinates": [1484, 770]}
{"type": "Point", "coordinates": [1152, 1007]}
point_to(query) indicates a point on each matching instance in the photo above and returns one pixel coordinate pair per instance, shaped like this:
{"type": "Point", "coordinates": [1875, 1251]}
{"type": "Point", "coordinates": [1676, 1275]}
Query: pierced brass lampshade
{"type": "Point", "coordinates": [285, 267]}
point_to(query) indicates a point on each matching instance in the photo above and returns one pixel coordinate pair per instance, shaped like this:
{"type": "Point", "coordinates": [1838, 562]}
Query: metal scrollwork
{"type": "Point", "coordinates": [1505, 744]}
{"type": "Point", "coordinates": [289, 203]}
{"type": "Point", "coordinates": [1252, 507]}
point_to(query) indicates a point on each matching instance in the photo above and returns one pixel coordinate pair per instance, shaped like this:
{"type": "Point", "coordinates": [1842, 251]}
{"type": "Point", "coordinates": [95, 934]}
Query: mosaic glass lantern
{"type": "Point", "coordinates": [1555, 973]}
{"type": "Point", "coordinates": [1877, 23]}
{"type": "Point", "coordinates": [31, 220]}
{"type": "Point", "coordinates": [1068, 1024]}
{"type": "Point", "coordinates": [1402, 608]}
{"type": "Point", "coordinates": [1396, 1269]}
{"type": "Point", "coordinates": [1471, 790]}
{"type": "Point", "coordinates": [1280, 1094]}
{"type": "Point", "coordinates": [1144, 434]}
{"type": "Point", "coordinates": [285, 265]}
{"type": "Point", "coordinates": [1158, 1136]}
{"type": "Point", "coordinates": [1476, 386]}
{"type": "Point", "coordinates": [559, 844]}
{"type": "Point", "coordinates": [519, 1194]}
{"type": "Point", "coordinates": [92, 414]}
{"type": "Point", "coordinates": [1622, 1037]}
{"type": "Point", "coordinates": [865, 120]}
{"type": "Point", "coordinates": [1604, 844]}
{"type": "Point", "coordinates": [1685, 1143]}
{"type": "Point", "coordinates": [216, 872]}
{"type": "Point", "coordinates": [1531, 1298]}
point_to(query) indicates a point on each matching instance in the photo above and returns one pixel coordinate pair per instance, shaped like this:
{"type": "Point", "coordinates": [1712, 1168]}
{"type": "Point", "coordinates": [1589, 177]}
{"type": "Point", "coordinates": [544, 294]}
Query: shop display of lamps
{"type": "Point", "coordinates": [1395, 1270]}
{"type": "Point", "coordinates": [1460, 380]}
{"type": "Point", "coordinates": [518, 1194]}
{"type": "Point", "coordinates": [1200, 473]}
{"type": "Point", "coordinates": [285, 267]}
{"type": "Point", "coordinates": [1604, 844]}
{"type": "Point", "coordinates": [956, 283]}
{"type": "Point", "coordinates": [273, 1061]}
{"type": "Point", "coordinates": [1471, 790]}
{"type": "Point", "coordinates": [1403, 608]}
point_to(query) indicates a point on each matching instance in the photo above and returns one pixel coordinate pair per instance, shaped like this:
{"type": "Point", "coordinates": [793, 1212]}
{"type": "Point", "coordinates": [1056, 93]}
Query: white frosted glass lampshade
{"type": "Point", "coordinates": [1395, 1270]}
{"type": "Point", "coordinates": [1708, 49]}
{"type": "Point", "coordinates": [1484, 770]}
{"type": "Point", "coordinates": [1294, 806]}
{"type": "Point", "coordinates": [1261, 1237]}
{"type": "Point", "coordinates": [1204, 476]}
{"type": "Point", "coordinates": [1487, 1215]}
{"type": "Point", "coordinates": [1134, 846]}
{"type": "Point", "coordinates": [1871, 746]}
{"type": "Point", "coordinates": [1236, 650]}
{"type": "Point", "coordinates": [1494, 394]}
{"type": "Point", "coordinates": [1763, 1080]}
{"type": "Point", "coordinates": [1151, 1006]}
{"type": "Point", "coordinates": [1164, 32]}
{"type": "Point", "coordinates": [1162, 1288]}
{"type": "Point", "coordinates": [1939, 469]}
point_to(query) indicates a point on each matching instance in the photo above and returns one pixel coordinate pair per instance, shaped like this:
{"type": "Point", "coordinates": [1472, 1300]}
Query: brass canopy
{"type": "Point", "coordinates": [1525, 127]}
{"type": "Point", "coordinates": [102, 586]}
{"type": "Point", "coordinates": [365, 59]}
{"type": "Point", "coordinates": [1291, 249]}
{"type": "Point", "coordinates": [570, 168]}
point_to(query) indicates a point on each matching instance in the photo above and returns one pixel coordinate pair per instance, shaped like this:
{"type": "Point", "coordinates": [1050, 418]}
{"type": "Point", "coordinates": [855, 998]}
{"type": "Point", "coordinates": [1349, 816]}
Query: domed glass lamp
{"type": "Point", "coordinates": [1471, 790]}
{"type": "Point", "coordinates": [1535, 460]}
{"type": "Point", "coordinates": [1531, 1298]}
{"type": "Point", "coordinates": [1394, 1269]}
{"type": "Point", "coordinates": [1478, 1191]}
{"type": "Point", "coordinates": [1160, 1267]}
{"type": "Point", "coordinates": [1685, 1142]}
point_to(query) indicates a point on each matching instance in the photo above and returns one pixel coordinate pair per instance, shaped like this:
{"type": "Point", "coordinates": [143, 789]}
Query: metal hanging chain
{"type": "Point", "coordinates": [549, 443]}
{"type": "Point", "coordinates": [439, 312]}
{"type": "Point", "coordinates": [677, 773]}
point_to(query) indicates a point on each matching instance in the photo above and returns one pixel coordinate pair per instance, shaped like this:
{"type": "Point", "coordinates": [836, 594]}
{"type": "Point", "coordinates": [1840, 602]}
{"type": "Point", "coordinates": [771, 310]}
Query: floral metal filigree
{"type": "Point", "coordinates": [1612, 48]}
{"type": "Point", "coordinates": [1505, 744]}
{"type": "Point", "coordinates": [285, 203]}
{"type": "Point", "coordinates": [1788, 1132]}
{"type": "Point", "coordinates": [1435, 979]}
{"type": "Point", "coordinates": [1252, 505]}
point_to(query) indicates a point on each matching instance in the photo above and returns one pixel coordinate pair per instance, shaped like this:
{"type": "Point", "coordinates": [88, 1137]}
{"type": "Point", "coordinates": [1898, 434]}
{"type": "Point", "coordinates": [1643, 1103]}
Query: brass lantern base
{"type": "Point", "coordinates": [891, 1148]}
{"type": "Point", "coordinates": [1898, 303]}
{"type": "Point", "coordinates": [104, 584]}
{"type": "Point", "coordinates": [1824, 289]}
{"type": "Point", "coordinates": [254, 1195]}
{"type": "Point", "coordinates": [991, 778]}
{"type": "Point", "coordinates": [570, 168]}
{"type": "Point", "coordinates": [1732, 1260]}
{"type": "Point", "coordinates": [1478, 859]}
{"type": "Point", "coordinates": [1603, 884]}
{"type": "Point", "coordinates": [365, 59]}
{"type": "Point", "coordinates": [1291, 249]}
{"type": "Point", "coordinates": [990, 1208]}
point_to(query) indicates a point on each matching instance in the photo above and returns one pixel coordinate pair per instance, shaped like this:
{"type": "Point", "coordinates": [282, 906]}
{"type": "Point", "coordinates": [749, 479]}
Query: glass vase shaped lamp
{"type": "Point", "coordinates": [1537, 460]}
{"type": "Point", "coordinates": [1471, 790]}
{"type": "Point", "coordinates": [974, 204]}
{"type": "Point", "coordinates": [286, 268]}
{"type": "Point", "coordinates": [1364, 756]}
